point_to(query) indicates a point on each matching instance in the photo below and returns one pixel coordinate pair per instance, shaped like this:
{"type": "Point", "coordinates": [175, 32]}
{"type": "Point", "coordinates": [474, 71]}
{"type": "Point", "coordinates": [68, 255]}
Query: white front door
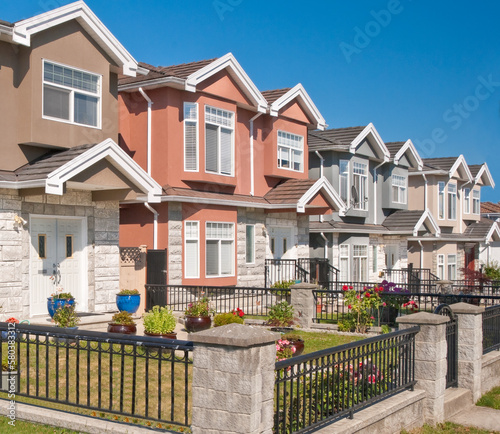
{"type": "Point", "coordinates": [57, 259]}
{"type": "Point", "coordinates": [280, 241]}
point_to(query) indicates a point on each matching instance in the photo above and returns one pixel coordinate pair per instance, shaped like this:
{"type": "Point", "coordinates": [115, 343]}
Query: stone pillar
{"type": "Point", "coordinates": [470, 346]}
{"type": "Point", "coordinates": [302, 300]}
{"type": "Point", "coordinates": [430, 360]}
{"type": "Point", "coordinates": [233, 380]}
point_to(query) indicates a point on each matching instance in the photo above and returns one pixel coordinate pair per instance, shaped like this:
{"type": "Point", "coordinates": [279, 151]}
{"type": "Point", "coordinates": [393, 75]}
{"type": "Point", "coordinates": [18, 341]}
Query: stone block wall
{"type": "Point", "coordinates": [175, 247]}
{"type": "Point", "coordinates": [251, 274]}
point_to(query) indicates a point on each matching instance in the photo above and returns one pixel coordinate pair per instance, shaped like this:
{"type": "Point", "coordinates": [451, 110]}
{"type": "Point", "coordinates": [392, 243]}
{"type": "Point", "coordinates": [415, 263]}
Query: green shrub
{"type": "Point", "coordinates": [347, 324]}
{"type": "Point", "coordinates": [385, 329]}
{"type": "Point", "coordinates": [281, 315]}
{"type": "Point", "coordinates": [123, 318]}
{"type": "Point", "coordinates": [284, 285]}
{"type": "Point", "coordinates": [492, 270]}
{"type": "Point", "coordinates": [129, 292]}
{"type": "Point", "coordinates": [159, 320]}
{"type": "Point", "coordinates": [63, 295]}
{"type": "Point", "coordinates": [227, 318]}
{"type": "Point", "coordinates": [66, 316]}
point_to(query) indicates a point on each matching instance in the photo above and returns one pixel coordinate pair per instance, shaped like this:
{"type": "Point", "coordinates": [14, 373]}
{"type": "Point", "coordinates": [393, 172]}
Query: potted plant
{"type": "Point", "coordinates": [236, 316]}
{"type": "Point", "coordinates": [66, 317]}
{"type": "Point", "coordinates": [281, 317]}
{"type": "Point", "coordinates": [122, 322]}
{"type": "Point", "coordinates": [5, 333]}
{"type": "Point", "coordinates": [128, 300]}
{"type": "Point", "coordinates": [10, 378]}
{"type": "Point", "coordinates": [296, 342]}
{"type": "Point", "coordinates": [160, 322]}
{"type": "Point", "coordinates": [57, 300]}
{"type": "Point", "coordinates": [197, 315]}
{"type": "Point", "coordinates": [284, 286]}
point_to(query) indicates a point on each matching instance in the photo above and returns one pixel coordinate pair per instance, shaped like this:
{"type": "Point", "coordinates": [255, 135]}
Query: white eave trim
{"type": "Point", "coordinates": [180, 82]}
{"type": "Point", "coordinates": [495, 229]}
{"type": "Point", "coordinates": [228, 61]}
{"type": "Point", "coordinates": [108, 149]}
{"type": "Point", "coordinates": [460, 162]}
{"type": "Point", "coordinates": [331, 195]}
{"type": "Point", "coordinates": [299, 92]}
{"type": "Point", "coordinates": [18, 185]}
{"type": "Point", "coordinates": [370, 130]}
{"type": "Point", "coordinates": [23, 30]}
{"type": "Point", "coordinates": [426, 215]}
{"type": "Point", "coordinates": [486, 172]}
{"type": "Point", "coordinates": [408, 146]}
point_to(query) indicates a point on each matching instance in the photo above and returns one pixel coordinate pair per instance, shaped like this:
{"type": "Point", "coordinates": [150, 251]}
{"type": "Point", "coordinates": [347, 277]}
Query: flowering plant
{"type": "Point", "coordinates": [200, 307]}
{"type": "Point", "coordinates": [361, 305]}
{"type": "Point", "coordinates": [284, 349]}
{"type": "Point", "coordinates": [12, 320]}
{"type": "Point", "coordinates": [238, 312]}
{"type": "Point", "coordinates": [394, 296]}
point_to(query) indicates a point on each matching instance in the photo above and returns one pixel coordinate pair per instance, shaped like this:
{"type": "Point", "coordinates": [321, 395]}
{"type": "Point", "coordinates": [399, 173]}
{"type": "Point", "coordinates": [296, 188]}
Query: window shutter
{"type": "Point", "coordinates": [226, 257]}
{"type": "Point", "coordinates": [56, 102]}
{"type": "Point", "coordinates": [190, 146]}
{"type": "Point", "coordinates": [212, 254]}
{"type": "Point", "coordinates": [191, 258]}
{"type": "Point", "coordinates": [226, 152]}
{"type": "Point", "coordinates": [211, 154]}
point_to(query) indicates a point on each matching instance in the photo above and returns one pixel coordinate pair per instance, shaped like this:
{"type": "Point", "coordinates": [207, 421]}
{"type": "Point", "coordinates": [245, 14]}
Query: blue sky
{"type": "Point", "coordinates": [424, 70]}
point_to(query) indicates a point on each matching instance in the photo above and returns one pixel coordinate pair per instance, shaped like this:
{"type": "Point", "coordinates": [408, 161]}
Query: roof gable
{"type": "Point", "coordinates": [378, 146]}
{"type": "Point", "coordinates": [482, 173]}
{"type": "Point", "coordinates": [401, 151]}
{"type": "Point", "coordinates": [451, 166]}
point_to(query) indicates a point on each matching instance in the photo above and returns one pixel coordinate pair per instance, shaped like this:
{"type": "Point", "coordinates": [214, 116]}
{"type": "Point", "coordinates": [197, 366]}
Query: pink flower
{"type": "Point", "coordinates": [358, 297]}
{"type": "Point", "coordinates": [372, 317]}
{"type": "Point", "coordinates": [383, 304]}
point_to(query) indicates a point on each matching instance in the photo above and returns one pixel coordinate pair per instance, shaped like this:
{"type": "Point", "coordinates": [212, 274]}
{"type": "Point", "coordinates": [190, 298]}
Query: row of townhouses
{"type": "Point", "coordinates": [101, 151]}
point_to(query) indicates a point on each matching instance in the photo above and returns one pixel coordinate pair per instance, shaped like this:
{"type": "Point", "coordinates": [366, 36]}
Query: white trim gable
{"type": "Point", "coordinates": [494, 230]}
{"type": "Point", "coordinates": [460, 162]}
{"type": "Point", "coordinates": [427, 216]}
{"type": "Point", "coordinates": [241, 77]}
{"type": "Point", "coordinates": [485, 172]}
{"type": "Point", "coordinates": [300, 93]}
{"type": "Point", "coordinates": [331, 195]}
{"type": "Point", "coordinates": [409, 147]}
{"type": "Point", "coordinates": [79, 11]}
{"type": "Point", "coordinates": [370, 131]}
{"type": "Point", "coordinates": [108, 149]}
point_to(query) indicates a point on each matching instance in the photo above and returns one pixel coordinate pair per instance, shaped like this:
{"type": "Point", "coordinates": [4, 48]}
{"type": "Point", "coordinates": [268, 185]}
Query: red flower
{"type": "Point", "coordinates": [344, 288]}
{"type": "Point", "coordinates": [241, 313]}
{"type": "Point", "coordinates": [350, 287]}
{"type": "Point", "coordinates": [12, 320]}
{"type": "Point", "coordinates": [349, 307]}
{"type": "Point", "coordinates": [367, 295]}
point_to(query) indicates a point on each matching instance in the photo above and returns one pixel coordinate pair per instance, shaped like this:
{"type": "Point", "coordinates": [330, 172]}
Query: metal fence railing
{"type": "Point", "coordinates": [134, 376]}
{"type": "Point", "coordinates": [491, 329]}
{"type": "Point", "coordinates": [283, 270]}
{"type": "Point", "coordinates": [314, 389]}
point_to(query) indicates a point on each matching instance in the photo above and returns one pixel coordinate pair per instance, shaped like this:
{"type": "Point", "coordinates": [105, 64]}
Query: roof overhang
{"type": "Point", "coordinates": [369, 132]}
{"type": "Point", "coordinates": [79, 11]}
{"type": "Point", "coordinates": [298, 92]}
{"type": "Point", "coordinates": [493, 233]}
{"type": "Point", "coordinates": [462, 168]}
{"type": "Point", "coordinates": [409, 149]}
{"type": "Point", "coordinates": [429, 218]}
{"type": "Point", "coordinates": [484, 175]}
{"type": "Point", "coordinates": [229, 62]}
{"type": "Point", "coordinates": [329, 192]}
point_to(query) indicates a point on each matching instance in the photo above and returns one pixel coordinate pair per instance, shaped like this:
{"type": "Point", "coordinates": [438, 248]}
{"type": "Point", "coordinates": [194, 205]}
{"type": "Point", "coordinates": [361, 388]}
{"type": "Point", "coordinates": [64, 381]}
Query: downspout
{"type": "Point", "coordinates": [155, 224]}
{"type": "Point", "coordinates": [321, 168]}
{"type": "Point", "coordinates": [326, 244]}
{"type": "Point", "coordinates": [150, 103]}
{"type": "Point", "coordinates": [375, 220]}
{"type": "Point", "coordinates": [252, 175]}
{"type": "Point", "coordinates": [425, 192]}
{"type": "Point", "coordinates": [421, 253]}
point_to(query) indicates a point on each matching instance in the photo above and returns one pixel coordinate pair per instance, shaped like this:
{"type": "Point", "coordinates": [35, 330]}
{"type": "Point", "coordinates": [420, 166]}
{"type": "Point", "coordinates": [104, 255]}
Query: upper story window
{"type": "Point", "coordinates": [190, 137]}
{"type": "Point", "coordinates": [360, 181]}
{"type": "Point", "coordinates": [452, 201]}
{"type": "Point", "coordinates": [441, 200]}
{"type": "Point", "coordinates": [476, 201]}
{"type": "Point", "coordinates": [219, 141]}
{"type": "Point", "coordinates": [398, 189]}
{"type": "Point", "coordinates": [344, 180]}
{"type": "Point", "coordinates": [290, 151]}
{"type": "Point", "coordinates": [466, 200]}
{"type": "Point", "coordinates": [71, 95]}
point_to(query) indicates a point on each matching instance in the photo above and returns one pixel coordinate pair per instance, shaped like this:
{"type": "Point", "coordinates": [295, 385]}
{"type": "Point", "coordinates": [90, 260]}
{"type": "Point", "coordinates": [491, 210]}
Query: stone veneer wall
{"type": "Point", "coordinates": [251, 274]}
{"type": "Point", "coordinates": [175, 247]}
{"type": "Point", "coordinates": [103, 251]}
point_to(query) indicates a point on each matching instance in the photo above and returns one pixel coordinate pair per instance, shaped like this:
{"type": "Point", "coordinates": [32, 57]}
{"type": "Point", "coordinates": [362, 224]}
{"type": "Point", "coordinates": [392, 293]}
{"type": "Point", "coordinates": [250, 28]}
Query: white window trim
{"type": "Point", "coordinates": [348, 198]}
{"type": "Point", "coordinates": [362, 205]}
{"type": "Point", "coordinates": [448, 264]}
{"type": "Point", "coordinates": [399, 187]}
{"type": "Point", "coordinates": [233, 129]}
{"type": "Point", "coordinates": [466, 200]}
{"type": "Point", "coordinates": [366, 268]}
{"type": "Point", "coordinates": [71, 100]}
{"type": "Point", "coordinates": [444, 200]}
{"type": "Point", "coordinates": [441, 264]}
{"type": "Point", "coordinates": [213, 276]}
{"type": "Point", "coordinates": [185, 250]}
{"type": "Point", "coordinates": [448, 194]}
{"type": "Point", "coordinates": [348, 271]}
{"type": "Point", "coordinates": [278, 146]}
{"type": "Point", "coordinates": [253, 244]}
{"type": "Point", "coordinates": [197, 136]}
{"type": "Point", "coordinates": [478, 200]}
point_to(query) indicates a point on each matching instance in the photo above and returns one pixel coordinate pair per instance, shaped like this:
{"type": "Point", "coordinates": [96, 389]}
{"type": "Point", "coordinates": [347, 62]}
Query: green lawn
{"type": "Point", "coordinates": [22, 427]}
{"type": "Point", "coordinates": [315, 341]}
{"type": "Point", "coordinates": [491, 399]}
{"type": "Point", "coordinates": [447, 428]}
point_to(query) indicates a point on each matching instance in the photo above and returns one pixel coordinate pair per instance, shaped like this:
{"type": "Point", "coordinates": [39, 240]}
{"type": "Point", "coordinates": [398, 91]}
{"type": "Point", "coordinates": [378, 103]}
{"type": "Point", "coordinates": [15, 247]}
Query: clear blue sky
{"type": "Point", "coordinates": [424, 70]}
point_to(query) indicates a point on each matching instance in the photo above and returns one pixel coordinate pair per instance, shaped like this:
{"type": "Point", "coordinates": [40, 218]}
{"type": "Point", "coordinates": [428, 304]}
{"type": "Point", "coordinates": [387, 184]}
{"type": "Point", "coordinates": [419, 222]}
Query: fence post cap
{"type": "Point", "coordinates": [235, 335]}
{"type": "Point", "coordinates": [423, 318]}
{"type": "Point", "coordinates": [466, 308]}
{"type": "Point", "coordinates": [303, 285]}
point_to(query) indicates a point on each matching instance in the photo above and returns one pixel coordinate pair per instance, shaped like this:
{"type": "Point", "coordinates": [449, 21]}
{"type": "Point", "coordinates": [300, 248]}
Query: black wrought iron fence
{"type": "Point", "coordinates": [314, 389]}
{"type": "Point", "coordinates": [284, 270]}
{"type": "Point", "coordinates": [451, 344]}
{"type": "Point", "coordinates": [134, 376]}
{"type": "Point", "coordinates": [491, 329]}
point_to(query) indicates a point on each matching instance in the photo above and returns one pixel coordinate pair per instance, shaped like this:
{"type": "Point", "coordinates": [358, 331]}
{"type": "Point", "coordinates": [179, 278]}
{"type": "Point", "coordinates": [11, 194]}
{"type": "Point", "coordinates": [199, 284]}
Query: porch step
{"type": "Point", "coordinates": [456, 400]}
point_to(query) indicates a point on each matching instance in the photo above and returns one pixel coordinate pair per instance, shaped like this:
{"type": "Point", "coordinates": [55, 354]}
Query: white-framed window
{"type": "Point", "coordinates": [440, 266]}
{"type": "Point", "coordinates": [374, 259]}
{"type": "Point", "coordinates": [71, 95]}
{"type": "Point", "coordinates": [360, 181]}
{"type": "Point", "coordinates": [466, 200]}
{"type": "Point", "coordinates": [452, 201]}
{"type": "Point", "coordinates": [191, 249]}
{"type": "Point", "coordinates": [219, 250]}
{"type": "Point", "coordinates": [191, 137]}
{"type": "Point", "coordinates": [344, 262]}
{"type": "Point", "coordinates": [344, 180]}
{"type": "Point", "coordinates": [398, 189]}
{"type": "Point", "coordinates": [219, 141]}
{"type": "Point", "coordinates": [359, 263]}
{"type": "Point", "coordinates": [290, 151]}
{"type": "Point", "coordinates": [476, 202]}
{"type": "Point", "coordinates": [441, 200]}
{"type": "Point", "coordinates": [250, 244]}
{"type": "Point", "coordinates": [452, 267]}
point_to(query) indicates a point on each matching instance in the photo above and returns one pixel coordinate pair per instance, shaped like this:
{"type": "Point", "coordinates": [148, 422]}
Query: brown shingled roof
{"type": "Point", "coordinates": [490, 208]}
{"type": "Point", "coordinates": [289, 191]}
{"type": "Point", "coordinates": [402, 220]}
{"type": "Point", "coordinates": [394, 147]}
{"type": "Point", "coordinates": [338, 138]}
{"type": "Point", "coordinates": [273, 95]}
{"type": "Point", "coordinates": [335, 226]}
{"type": "Point", "coordinates": [474, 169]}
{"type": "Point", "coordinates": [444, 163]}
{"type": "Point", "coordinates": [479, 229]}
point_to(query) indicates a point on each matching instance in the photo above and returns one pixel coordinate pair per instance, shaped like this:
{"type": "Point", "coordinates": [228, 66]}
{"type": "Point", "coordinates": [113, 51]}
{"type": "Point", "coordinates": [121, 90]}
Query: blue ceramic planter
{"type": "Point", "coordinates": [55, 303]}
{"type": "Point", "coordinates": [128, 303]}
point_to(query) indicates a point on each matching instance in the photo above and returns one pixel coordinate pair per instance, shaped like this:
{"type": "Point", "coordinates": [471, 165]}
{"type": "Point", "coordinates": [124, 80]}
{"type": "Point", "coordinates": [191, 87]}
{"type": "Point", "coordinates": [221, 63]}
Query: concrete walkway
{"type": "Point", "coordinates": [479, 417]}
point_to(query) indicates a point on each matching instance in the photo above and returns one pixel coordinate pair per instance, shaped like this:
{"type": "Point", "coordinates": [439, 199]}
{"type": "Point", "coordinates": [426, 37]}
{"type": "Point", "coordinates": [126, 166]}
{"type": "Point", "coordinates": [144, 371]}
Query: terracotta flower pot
{"type": "Point", "coordinates": [197, 323]}
{"type": "Point", "coordinates": [129, 329]}
{"type": "Point", "coordinates": [172, 335]}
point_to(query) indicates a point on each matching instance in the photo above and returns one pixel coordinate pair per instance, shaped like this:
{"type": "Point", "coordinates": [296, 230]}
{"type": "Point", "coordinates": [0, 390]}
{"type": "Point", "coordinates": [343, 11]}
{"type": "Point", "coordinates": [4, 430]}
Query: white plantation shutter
{"type": "Point", "coordinates": [226, 152]}
{"type": "Point", "coordinates": [211, 148]}
{"type": "Point", "coordinates": [190, 136]}
{"type": "Point", "coordinates": [219, 130]}
{"type": "Point", "coordinates": [226, 257]}
{"type": "Point", "coordinates": [212, 254]}
{"type": "Point", "coordinates": [191, 262]}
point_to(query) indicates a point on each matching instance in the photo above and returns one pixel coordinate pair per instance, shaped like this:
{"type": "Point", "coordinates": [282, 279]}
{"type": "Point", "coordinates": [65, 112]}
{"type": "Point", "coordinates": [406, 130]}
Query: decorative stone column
{"type": "Point", "coordinates": [470, 346]}
{"type": "Point", "coordinates": [233, 380]}
{"type": "Point", "coordinates": [430, 360]}
{"type": "Point", "coordinates": [302, 300]}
